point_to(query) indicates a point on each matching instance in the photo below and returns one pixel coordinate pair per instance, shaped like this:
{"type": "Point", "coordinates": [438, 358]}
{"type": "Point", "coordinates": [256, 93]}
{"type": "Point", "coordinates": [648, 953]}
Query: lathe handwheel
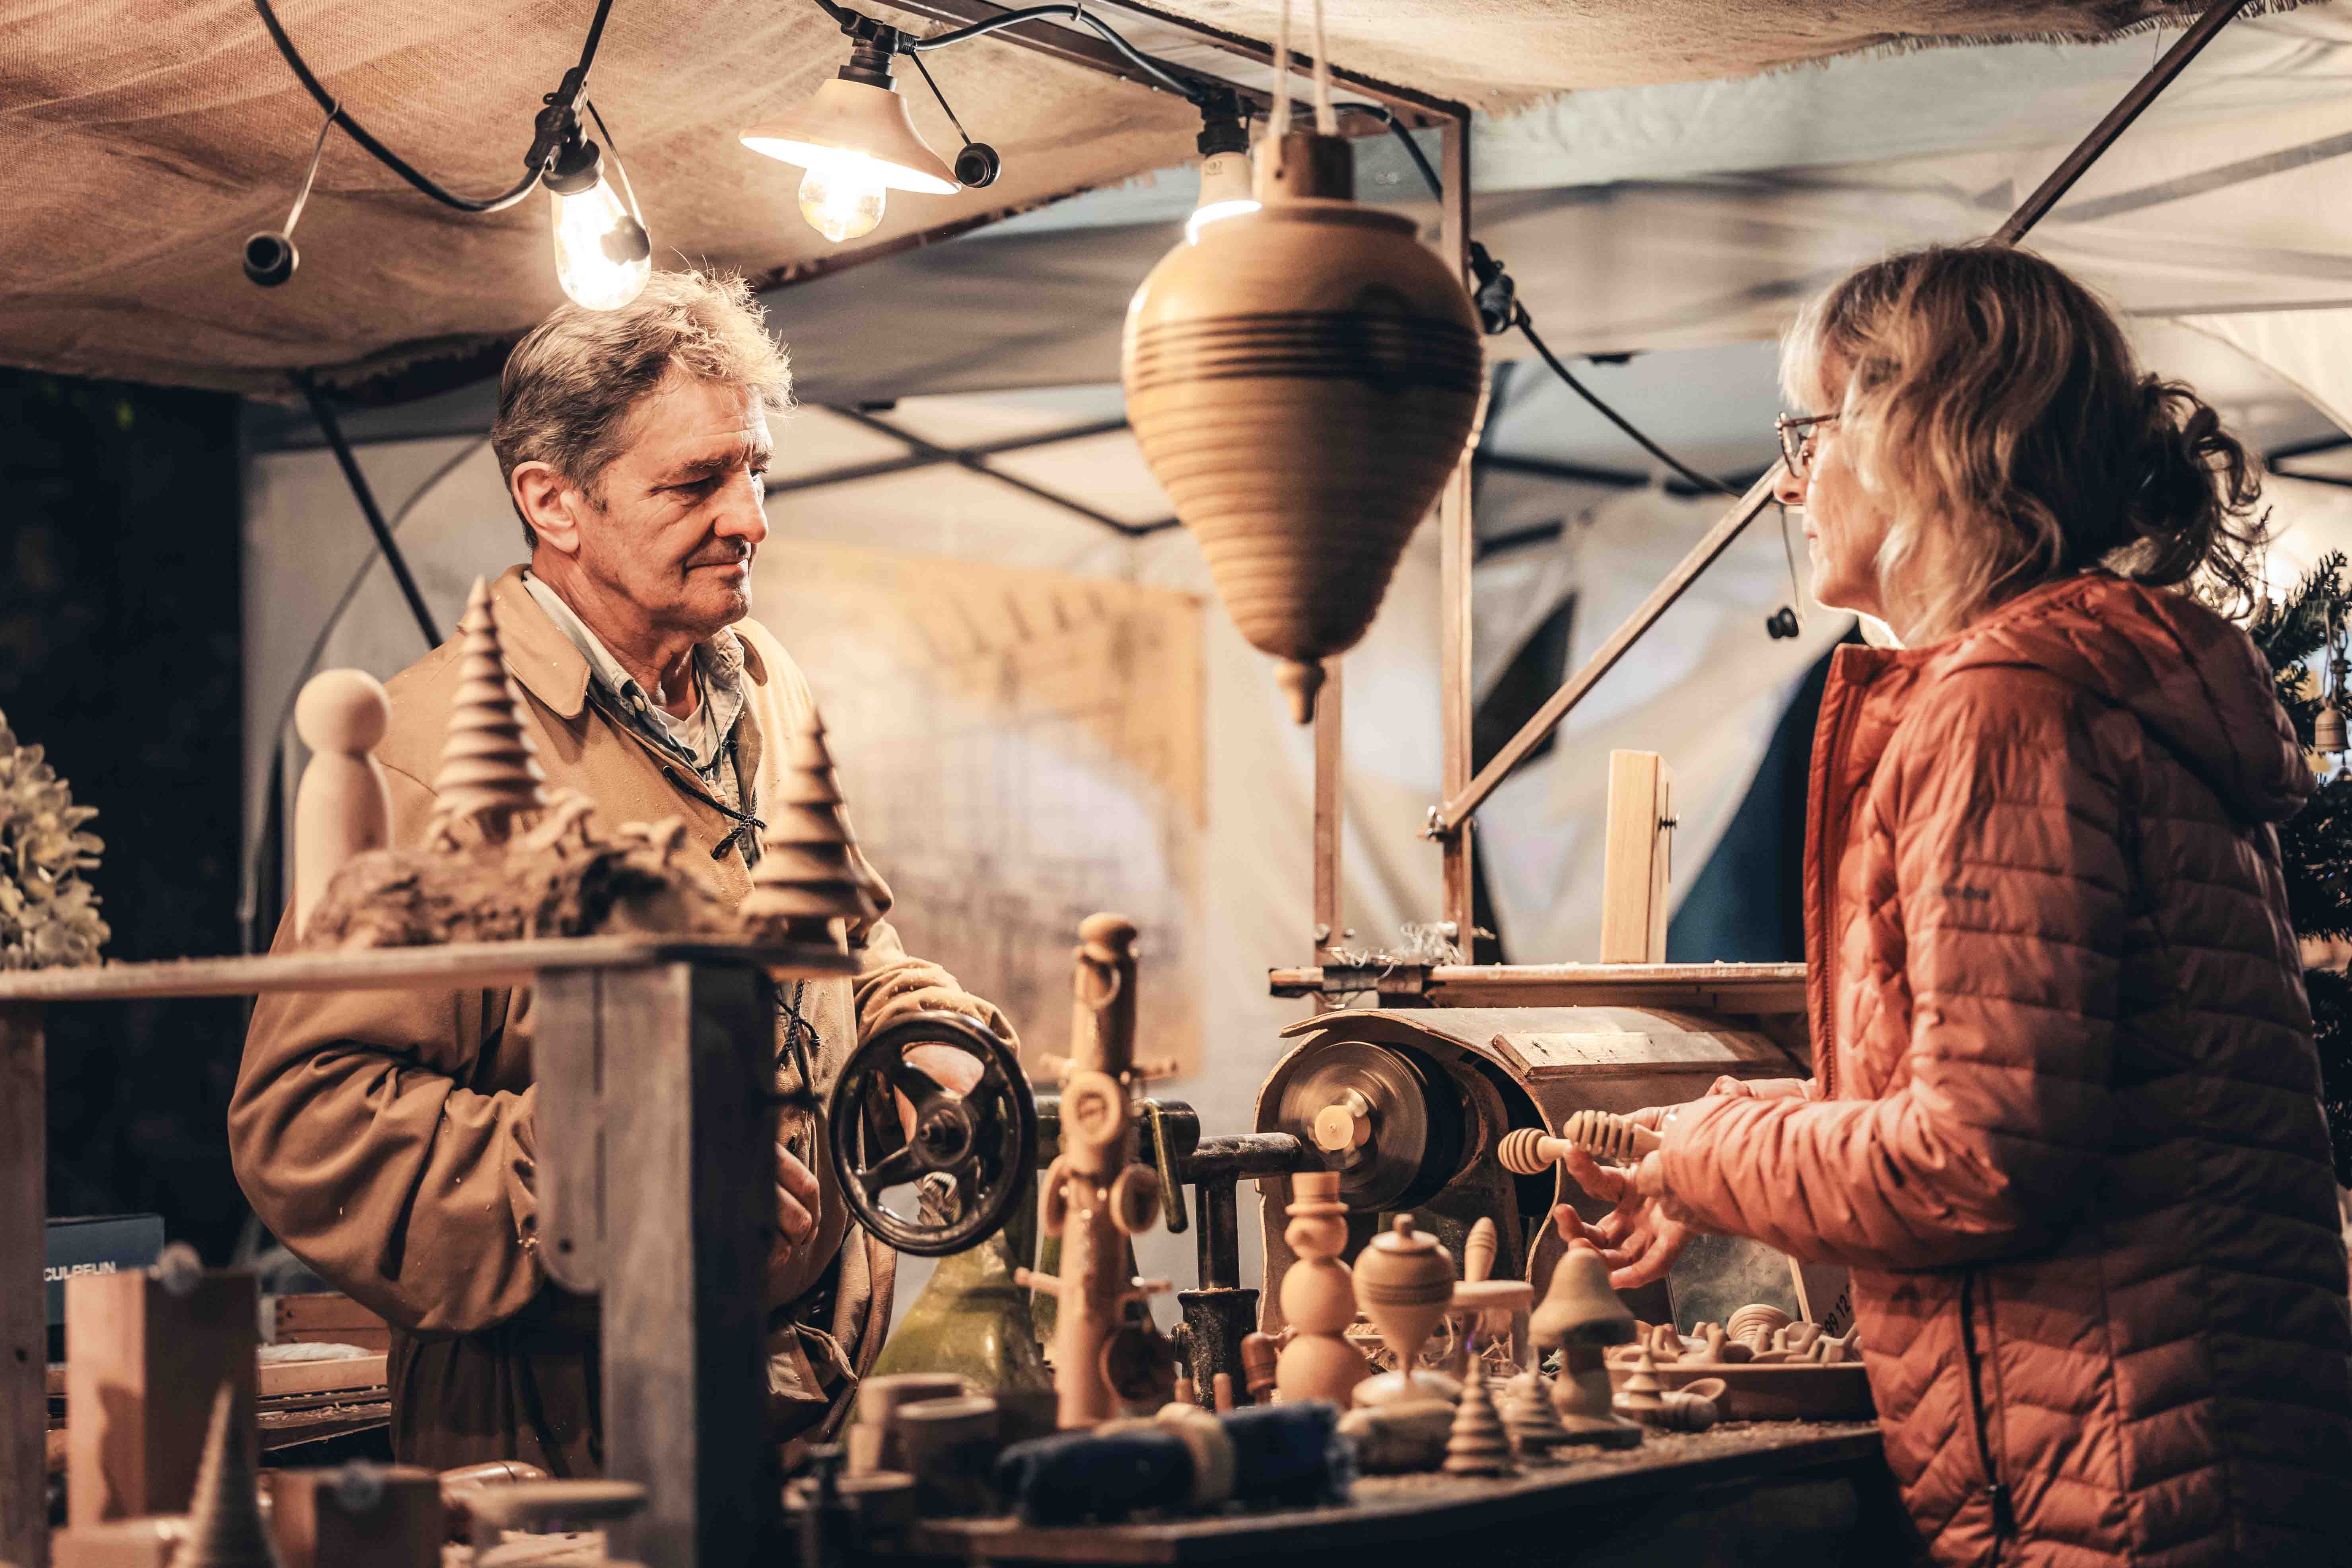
{"type": "Point", "coordinates": [985, 1141]}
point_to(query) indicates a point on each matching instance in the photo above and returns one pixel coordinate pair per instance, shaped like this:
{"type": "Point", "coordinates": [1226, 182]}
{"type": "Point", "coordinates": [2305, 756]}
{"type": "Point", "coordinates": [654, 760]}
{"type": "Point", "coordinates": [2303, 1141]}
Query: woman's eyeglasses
{"type": "Point", "coordinates": [1798, 436]}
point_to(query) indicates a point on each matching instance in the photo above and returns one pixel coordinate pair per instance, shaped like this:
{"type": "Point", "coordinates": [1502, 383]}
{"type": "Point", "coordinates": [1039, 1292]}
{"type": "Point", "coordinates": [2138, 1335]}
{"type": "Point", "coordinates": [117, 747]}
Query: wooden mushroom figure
{"type": "Point", "coordinates": [1319, 1297]}
{"type": "Point", "coordinates": [489, 784]}
{"type": "Point", "coordinates": [1303, 378]}
{"type": "Point", "coordinates": [1404, 1283]}
{"type": "Point", "coordinates": [806, 887]}
{"type": "Point", "coordinates": [1580, 1317]}
{"type": "Point", "coordinates": [344, 806]}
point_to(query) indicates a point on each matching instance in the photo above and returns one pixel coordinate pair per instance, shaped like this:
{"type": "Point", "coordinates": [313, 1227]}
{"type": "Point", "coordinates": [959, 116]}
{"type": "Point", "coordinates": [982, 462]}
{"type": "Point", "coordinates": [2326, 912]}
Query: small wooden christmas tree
{"type": "Point", "coordinates": [806, 885]}
{"type": "Point", "coordinates": [489, 774]}
{"type": "Point", "coordinates": [1478, 1444]}
{"type": "Point", "coordinates": [225, 1528]}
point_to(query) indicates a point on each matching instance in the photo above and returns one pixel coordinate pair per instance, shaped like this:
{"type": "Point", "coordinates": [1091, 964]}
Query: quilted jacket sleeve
{"type": "Point", "coordinates": [2011, 895]}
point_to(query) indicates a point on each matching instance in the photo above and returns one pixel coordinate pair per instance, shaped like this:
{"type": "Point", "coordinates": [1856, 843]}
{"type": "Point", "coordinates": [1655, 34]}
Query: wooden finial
{"type": "Point", "coordinates": [344, 806]}
{"type": "Point", "coordinates": [224, 1529]}
{"type": "Point", "coordinates": [489, 774]}
{"type": "Point", "coordinates": [806, 883]}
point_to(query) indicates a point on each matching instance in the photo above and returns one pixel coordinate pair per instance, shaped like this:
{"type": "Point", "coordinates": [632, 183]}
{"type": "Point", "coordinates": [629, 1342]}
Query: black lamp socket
{"type": "Point", "coordinates": [270, 258]}
{"type": "Point", "coordinates": [977, 165]}
{"type": "Point", "coordinates": [578, 165]}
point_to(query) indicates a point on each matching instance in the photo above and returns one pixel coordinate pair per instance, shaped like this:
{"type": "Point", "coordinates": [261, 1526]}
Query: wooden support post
{"type": "Point", "coordinates": [142, 1362]}
{"type": "Point", "coordinates": [1330, 821]}
{"type": "Point", "coordinates": [24, 1301]}
{"type": "Point", "coordinates": [1636, 874]}
{"type": "Point", "coordinates": [1457, 541]}
{"type": "Point", "coordinates": [678, 1061]}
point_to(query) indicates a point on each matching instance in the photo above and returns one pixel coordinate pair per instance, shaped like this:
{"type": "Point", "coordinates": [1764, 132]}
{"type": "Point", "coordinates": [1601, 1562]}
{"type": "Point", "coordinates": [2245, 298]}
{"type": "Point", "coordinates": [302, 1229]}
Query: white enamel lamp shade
{"type": "Point", "coordinates": [857, 120]}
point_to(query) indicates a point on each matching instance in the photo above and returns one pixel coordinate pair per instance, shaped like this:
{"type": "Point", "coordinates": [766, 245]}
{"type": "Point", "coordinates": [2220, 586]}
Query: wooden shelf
{"type": "Point", "coordinates": [1389, 1511]}
{"type": "Point", "coordinates": [456, 967]}
{"type": "Point", "coordinates": [1737, 988]}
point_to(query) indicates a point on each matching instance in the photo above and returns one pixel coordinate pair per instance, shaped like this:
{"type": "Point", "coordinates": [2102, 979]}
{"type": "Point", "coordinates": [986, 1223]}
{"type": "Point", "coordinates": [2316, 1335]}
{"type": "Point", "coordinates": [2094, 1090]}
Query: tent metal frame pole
{"type": "Point", "coordinates": [1448, 822]}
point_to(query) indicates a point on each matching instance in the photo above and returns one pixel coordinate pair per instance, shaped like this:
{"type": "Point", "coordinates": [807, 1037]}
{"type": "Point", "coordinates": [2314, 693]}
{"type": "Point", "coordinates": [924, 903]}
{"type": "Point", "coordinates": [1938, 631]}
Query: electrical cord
{"type": "Point", "coordinates": [542, 141]}
{"type": "Point", "coordinates": [1499, 311]}
{"type": "Point", "coordinates": [1110, 35]}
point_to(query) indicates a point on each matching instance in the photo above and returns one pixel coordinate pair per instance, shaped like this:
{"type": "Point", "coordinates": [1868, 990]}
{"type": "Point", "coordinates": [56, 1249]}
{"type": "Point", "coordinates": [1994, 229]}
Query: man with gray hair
{"type": "Point", "coordinates": [388, 1139]}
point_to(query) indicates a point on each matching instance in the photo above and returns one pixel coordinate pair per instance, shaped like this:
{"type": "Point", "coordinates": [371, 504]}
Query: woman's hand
{"type": "Point", "coordinates": [1642, 1235]}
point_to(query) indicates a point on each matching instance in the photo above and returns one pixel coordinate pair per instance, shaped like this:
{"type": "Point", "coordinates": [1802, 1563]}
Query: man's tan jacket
{"type": "Point", "coordinates": [388, 1138]}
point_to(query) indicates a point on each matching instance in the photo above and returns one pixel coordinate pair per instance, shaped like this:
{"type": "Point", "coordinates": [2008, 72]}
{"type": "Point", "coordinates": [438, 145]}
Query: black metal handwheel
{"type": "Point", "coordinates": [984, 1142]}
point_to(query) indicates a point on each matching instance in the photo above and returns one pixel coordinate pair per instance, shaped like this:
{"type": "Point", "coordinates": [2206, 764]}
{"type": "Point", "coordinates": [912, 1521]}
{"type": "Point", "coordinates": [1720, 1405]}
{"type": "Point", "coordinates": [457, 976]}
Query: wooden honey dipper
{"type": "Point", "coordinates": [1527, 1151]}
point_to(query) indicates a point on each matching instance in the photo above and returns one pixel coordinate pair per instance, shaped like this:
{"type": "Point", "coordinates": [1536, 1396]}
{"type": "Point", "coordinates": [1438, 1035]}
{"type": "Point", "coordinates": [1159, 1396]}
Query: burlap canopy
{"type": "Point", "coordinates": [142, 140]}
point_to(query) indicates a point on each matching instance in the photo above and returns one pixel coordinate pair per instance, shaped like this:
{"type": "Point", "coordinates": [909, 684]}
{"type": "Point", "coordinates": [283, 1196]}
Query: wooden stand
{"type": "Point", "coordinates": [143, 1362]}
{"type": "Point", "coordinates": [675, 1029]}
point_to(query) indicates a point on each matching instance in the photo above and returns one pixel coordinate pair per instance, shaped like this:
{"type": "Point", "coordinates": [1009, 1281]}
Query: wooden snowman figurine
{"type": "Point", "coordinates": [1319, 1297]}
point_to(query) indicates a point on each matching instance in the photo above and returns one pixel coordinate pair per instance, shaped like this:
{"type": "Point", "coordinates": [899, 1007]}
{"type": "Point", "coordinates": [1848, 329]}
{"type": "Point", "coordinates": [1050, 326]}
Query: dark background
{"type": "Point", "coordinates": [119, 629]}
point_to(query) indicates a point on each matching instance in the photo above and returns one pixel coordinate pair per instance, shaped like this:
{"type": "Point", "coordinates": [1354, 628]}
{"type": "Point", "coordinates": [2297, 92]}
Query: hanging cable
{"type": "Point", "coordinates": [1499, 310]}
{"type": "Point", "coordinates": [1327, 120]}
{"type": "Point", "coordinates": [1109, 34]}
{"type": "Point", "coordinates": [270, 256]}
{"type": "Point", "coordinates": [543, 147]}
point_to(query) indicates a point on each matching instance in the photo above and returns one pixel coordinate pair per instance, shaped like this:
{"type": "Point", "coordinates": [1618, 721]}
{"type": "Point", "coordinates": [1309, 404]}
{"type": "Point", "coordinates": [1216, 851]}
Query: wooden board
{"type": "Point", "coordinates": [456, 967]}
{"type": "Point", "coordinates": [1389, 1509]}
{"type": "Point", "coordinates": [1636, 876]}
{"type": "Point", "coordinates": [1741, 989]}
{"type": "Point", "coordinates": [274, 1380]}
{"type": "Point", "coordinates": [326, 1317]}
{"type": "Point", "coordinates": [23, 1307]}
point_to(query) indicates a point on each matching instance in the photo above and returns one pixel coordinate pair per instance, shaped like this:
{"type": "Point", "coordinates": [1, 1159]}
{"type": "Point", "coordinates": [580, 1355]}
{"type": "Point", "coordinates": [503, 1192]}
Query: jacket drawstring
{"type": "Point", "coordinates": [2004, 1517]}
{"type": "Point", "coordinates": [747, 826]}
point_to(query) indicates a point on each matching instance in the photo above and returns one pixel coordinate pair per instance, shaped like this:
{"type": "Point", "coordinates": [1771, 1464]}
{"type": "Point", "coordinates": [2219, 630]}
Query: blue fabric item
{"type": "Point", "coordinates": [1290, 1453]}
{"type": "Point", "coordinates": [1073, 1476]}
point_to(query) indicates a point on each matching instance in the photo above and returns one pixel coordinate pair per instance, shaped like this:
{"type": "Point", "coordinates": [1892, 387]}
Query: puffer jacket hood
{"type": "Point", "coordinates": [2064, 1128]}
{"type": "Point", "coordinates": [2192, 679]}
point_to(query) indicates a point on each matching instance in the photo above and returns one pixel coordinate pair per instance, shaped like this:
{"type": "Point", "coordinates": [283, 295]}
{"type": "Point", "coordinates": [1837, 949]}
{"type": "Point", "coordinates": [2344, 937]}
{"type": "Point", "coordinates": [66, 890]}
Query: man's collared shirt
{"type": "Point", "coordinates": [705, 739]}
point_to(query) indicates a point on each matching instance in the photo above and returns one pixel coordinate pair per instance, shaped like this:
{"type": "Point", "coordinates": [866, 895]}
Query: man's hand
{"type": "Point", "coordinates": [797, 1205]}
{"type": "Point", "coordinates": [1641, 1238]}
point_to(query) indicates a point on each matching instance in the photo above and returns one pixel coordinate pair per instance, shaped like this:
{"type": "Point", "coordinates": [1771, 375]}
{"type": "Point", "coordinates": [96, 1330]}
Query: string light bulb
{"type": "Point", "coordinates": [603, 256]}
{"type": "Point", "coordinates": [1225, 175]}
{"type": "Point", "coordinates": [858, 144]}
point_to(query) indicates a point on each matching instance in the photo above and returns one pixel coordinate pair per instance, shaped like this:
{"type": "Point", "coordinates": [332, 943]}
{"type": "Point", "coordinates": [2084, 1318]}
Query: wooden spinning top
{"type": "Point", "coordinates": [1404, 1283]}
{"type": "Point", "coordinates": [1302, 379]}
{"type": "Point", "coordinates": [489, 772]}
{"type": "Point", "coordinates": [225, 1528]}
{"type": "Point", "coordinates": [806, 887]}
{"type": "Point", "coordinates": [1477, 1446]}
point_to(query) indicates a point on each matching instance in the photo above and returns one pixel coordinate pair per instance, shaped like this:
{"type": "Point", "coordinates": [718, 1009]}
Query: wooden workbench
{"type": "Point", "coordinates": [1757, 1492]}
{"type": "Point", "coordinates": [646, 993]}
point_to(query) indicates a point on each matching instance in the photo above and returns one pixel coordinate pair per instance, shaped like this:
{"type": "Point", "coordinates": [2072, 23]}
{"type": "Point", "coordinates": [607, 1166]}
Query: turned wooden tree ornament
{"type": "Point", "coordinates": [1405, 1284]}
{"type": "Point", "coordinates": [1302, 379]}
{"type": "Point", "coordinates": [225, 1528]}
{"type": "Point", "coordinates": [344, 806]}
{"type": "Point", "coordinates": [1477, 1446]}
{"type": "Point", "coordinates": [489, 775]}
{"type": "Point", "coordinates": [807, 886]}
{"type": "Point", "coordinates": [1319, 1297]}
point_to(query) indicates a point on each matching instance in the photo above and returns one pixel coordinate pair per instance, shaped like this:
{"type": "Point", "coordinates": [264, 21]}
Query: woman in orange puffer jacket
{"type": "Point", "coordinates": [2065, 1130]}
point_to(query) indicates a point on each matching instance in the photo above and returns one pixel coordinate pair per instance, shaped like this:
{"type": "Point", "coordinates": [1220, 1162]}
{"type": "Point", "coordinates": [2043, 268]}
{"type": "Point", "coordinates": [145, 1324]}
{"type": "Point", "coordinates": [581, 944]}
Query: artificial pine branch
{"type": "Point", "coordinates": [2316, 844]}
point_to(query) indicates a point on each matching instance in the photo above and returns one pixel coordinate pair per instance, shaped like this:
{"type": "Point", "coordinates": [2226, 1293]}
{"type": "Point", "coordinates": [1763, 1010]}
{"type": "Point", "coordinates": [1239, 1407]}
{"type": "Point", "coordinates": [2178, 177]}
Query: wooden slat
{"type": "Point", "coordinates": [1458, 550]}
{"type": "Point", "coordinates": [1734, 988]}
{"type": "Point", "coordinates": [1330, 765]}
{"type": "Point", "coordinates": [355, 1372]}
{"type": "Point", "coordinates": [1389, 1510]}
{"type": "Point", "coordinates": [24, 1299]}
{"type": "Point", "coordinates": [1634, 866]}
{"type": "Point", "coordinates": [456, 967]}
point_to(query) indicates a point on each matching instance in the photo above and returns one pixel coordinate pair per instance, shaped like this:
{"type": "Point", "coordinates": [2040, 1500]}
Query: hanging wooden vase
{"type": "Point", "coordinates": [1302, 380]}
